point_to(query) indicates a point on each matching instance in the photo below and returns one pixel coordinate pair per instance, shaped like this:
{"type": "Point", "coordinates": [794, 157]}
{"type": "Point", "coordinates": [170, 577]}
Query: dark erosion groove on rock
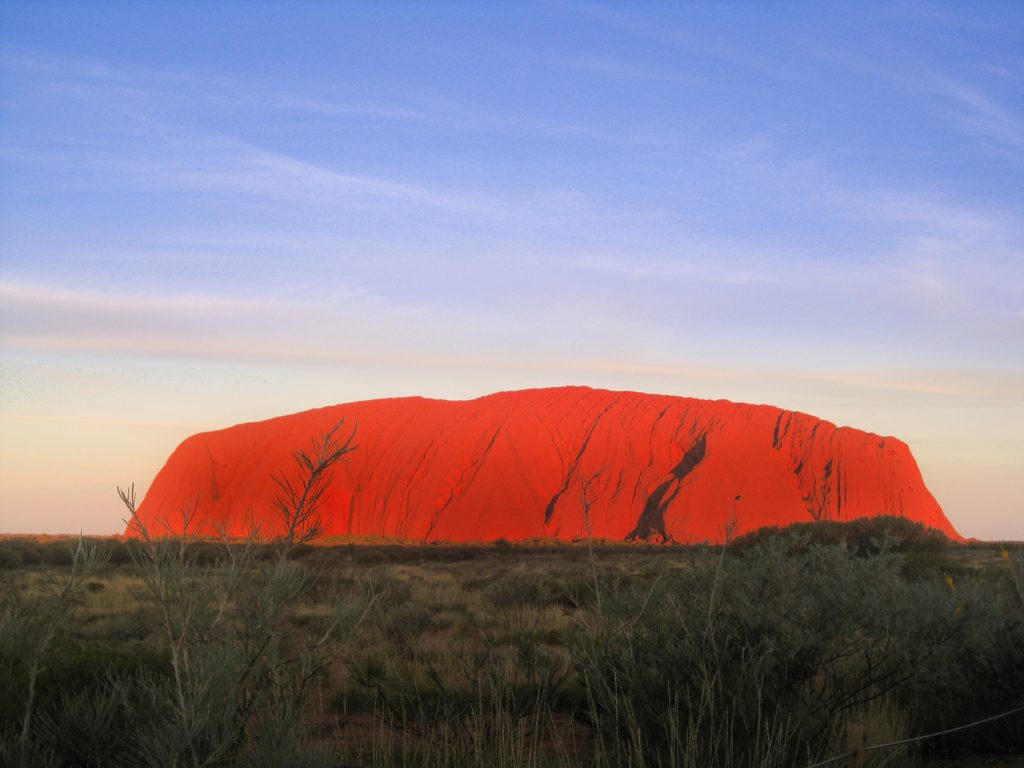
{"type": "Point", "coordinates": [512, 465]}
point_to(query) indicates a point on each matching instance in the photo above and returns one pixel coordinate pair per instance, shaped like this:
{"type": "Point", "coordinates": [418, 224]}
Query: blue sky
{"type": "Point", "coordinates": [217, 212]}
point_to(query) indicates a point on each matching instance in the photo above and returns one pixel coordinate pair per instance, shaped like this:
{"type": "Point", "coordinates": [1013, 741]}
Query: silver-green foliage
{"type": "Point", "coordinates": [29, 629]}
{"type": "Point", "coordinates": [751, 660]}
{"type": "Point", "coordinates": [240, 669]}
{"type": "Point", "coordinates": [239, 677]}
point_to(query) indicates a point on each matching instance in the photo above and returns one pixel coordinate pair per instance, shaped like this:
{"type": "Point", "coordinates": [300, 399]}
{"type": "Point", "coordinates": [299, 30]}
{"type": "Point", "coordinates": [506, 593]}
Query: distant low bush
{"type": "Point", "coordinates": [523, 588]}
{"type": "Point", "coordinates": [22, 551]}
{"type": "Point", "coordinates": [864, 536]}
{"type": "Point", "coordinates": [10, 557]}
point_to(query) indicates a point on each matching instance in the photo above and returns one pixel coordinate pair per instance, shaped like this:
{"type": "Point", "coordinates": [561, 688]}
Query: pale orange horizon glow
{"type": "Point", "coordinates": [60, 462]}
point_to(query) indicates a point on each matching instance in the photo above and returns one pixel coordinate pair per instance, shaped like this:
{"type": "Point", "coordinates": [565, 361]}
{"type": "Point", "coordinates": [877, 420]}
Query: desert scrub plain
{"type": "Point", "coordinates": [200, 653]}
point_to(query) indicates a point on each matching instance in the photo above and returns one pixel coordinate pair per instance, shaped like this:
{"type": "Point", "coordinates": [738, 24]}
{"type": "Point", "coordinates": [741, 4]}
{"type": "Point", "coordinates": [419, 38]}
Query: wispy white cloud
{"type": "Point", "coordinates": [969, 104]}
{"type": "Point", "coordinates": [698, 263]}
{"type": "Point", "coordinates": [148, 93]}
{"type": "Point", "coordinates": [679, 35]}
{"type": "Point", "coordinates": [161, 147]}
{"type": "Point", "coordinates": [64, 66]}
{"type": "Point", "coordinates": [914, 209]}
{"type": "Point", "coordinates": [201, 326]}
{"type": "Point", "coordinates": [365, 330]}
{"type": "Point", "coordinates": [981, 113]}
{"type": "Point", "coordinates": [272, 174]}
{"type": "Point", "coordinates": [218, 165]}
{"type": "Point", "coordinates": [609, 66]}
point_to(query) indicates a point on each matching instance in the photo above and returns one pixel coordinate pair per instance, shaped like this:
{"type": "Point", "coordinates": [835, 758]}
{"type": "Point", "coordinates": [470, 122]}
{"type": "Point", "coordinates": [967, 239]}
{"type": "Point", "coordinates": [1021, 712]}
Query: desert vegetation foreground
{"type": "Point", "coordinates": [759, 653]}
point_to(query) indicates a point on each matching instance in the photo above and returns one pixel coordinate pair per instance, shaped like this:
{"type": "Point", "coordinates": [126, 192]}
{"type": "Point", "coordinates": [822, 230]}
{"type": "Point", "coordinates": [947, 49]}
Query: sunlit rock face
{"type": "Point", "coordinates": [514, 465]}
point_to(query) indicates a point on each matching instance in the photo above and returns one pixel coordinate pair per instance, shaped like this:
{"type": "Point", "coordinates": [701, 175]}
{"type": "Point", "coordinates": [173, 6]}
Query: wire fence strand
{"type": "Point", "coordinates": [948, 730]}
{"type": "Point", "coordinates": [831, 760]}
{"type": "Point", "coordinates": [901, 742]}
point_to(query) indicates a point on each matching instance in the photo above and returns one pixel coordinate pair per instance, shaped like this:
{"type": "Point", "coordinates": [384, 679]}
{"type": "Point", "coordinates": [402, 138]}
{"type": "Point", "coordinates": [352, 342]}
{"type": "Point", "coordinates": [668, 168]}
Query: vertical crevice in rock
{"type": "Point", "coordinates": [549, 511]}
{"type": "Point", "coordinates": [779, 433]}
{"type": "Point", "coordinates": [214, 486]}
{"type": "Point", "coordinates": [821, 513]}
{"type": "Point", "coordinates": [652, 519]}
{"type": "Point", "coordinates": [471, 472]}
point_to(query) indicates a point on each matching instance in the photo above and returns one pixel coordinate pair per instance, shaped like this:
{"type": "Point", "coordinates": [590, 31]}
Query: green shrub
{"type": "Point", "coordinates": [10, 557]}
{"type": "Point", "coordinates": [865, 535]}
{"type": "Point", "coordinates": [522, 588]}
{"type": "Point", "coordinates": [25, 551]}
{"type": "Point", "coordinates": [57, 553]}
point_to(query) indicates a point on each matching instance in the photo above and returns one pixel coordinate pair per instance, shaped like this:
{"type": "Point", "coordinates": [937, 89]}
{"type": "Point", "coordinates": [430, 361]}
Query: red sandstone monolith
{"type": "Point", "coordinates": [511, 465]}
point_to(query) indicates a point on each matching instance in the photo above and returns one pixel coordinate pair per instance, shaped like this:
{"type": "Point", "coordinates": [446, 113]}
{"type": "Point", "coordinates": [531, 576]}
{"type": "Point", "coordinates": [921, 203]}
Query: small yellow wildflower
{"type": "Point", "coordinates": [1005, 555]}
{"type": "Point", "coordinates": [949, 582]}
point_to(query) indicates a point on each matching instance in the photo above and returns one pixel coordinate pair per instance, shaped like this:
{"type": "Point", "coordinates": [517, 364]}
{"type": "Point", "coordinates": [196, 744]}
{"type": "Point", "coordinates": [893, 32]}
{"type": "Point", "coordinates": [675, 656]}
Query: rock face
{"type": "Point", "coordinates": [512, 465]}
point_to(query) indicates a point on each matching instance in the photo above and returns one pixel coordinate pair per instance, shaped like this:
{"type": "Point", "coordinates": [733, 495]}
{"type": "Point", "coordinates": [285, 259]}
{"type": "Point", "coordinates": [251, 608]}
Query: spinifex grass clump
{"type": "Point", "coordinates": [749, 661]}
{"type": "Point", "coordinates": [29, 630]}
{"type": "Point", "coordinates": [761, 659]}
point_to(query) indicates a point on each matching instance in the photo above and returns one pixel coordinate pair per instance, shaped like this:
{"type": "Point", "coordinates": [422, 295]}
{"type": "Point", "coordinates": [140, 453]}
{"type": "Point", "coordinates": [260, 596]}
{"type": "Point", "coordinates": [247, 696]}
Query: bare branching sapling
{"type": "Point", "coordinates": [298, 504]}
{"type": "Point", "coordinates": [234, 664]}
